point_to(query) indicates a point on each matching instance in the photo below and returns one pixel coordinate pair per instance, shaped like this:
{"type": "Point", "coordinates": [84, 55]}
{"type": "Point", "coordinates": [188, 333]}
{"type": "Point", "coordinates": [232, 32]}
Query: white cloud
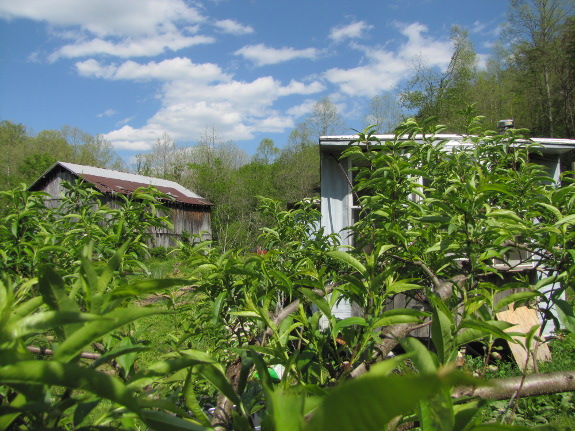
{"type": "Point", "coordinates": [233, 27]}
{"type": "Point", "coordinates": [126, 48]}
{"type": "Point", "coordinates": [302, 109]}
{"type": "Point", "coordinates": [107, 113]}
{"type": "Point", "coordinates": [106, 17]}
{"type": "Point", "coordinates": [491, 28]}
{"type": "Point", "coordinates": [177, 68]}
{"type": "Point", "coordinates": [128, 138]}
{"type": "Point", "coordinates": [274, 124]}
{"type": "Point", "coordinates": [386, 68]}
{"type": "Point", "coordinates": [478, 27]}
{"type": "Point", "coordinates": [198, 95]}
{"type": "Point", "coordinates": [434, 52]}
{"type": "Point", "coordinates": [125, 28]}
{"type": "Point", "coordinates": [351, 31]}
{"type": "Point", "coordinates": [263, 55]}
{"type": "Point", "coordinates": [93, 68]}
{"type": "Point", "coordinates": [124, 121]}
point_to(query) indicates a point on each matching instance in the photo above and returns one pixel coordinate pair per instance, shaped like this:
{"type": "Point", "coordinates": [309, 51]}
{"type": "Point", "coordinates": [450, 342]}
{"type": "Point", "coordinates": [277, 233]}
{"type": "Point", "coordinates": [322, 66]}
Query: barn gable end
{"type": "Point", "coordinates": [189, 212]}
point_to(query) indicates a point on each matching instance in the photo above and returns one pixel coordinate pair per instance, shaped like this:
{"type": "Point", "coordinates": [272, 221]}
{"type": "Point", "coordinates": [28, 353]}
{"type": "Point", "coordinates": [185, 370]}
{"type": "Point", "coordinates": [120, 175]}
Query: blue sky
{"type": "Point", "coordinates": [132, 70]}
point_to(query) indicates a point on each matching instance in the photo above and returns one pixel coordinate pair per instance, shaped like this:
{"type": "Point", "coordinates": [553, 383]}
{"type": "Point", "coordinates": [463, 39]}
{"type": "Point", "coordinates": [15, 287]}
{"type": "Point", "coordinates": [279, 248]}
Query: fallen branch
{"type": "Point", "coordinates": [48, 352]}
{"type": "Point", "coordinates": [533, 385]}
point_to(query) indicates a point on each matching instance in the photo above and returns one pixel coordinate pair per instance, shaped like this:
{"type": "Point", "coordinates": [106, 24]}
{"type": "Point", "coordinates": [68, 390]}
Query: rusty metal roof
{"type": "Point", "coordinates": [110, 181]}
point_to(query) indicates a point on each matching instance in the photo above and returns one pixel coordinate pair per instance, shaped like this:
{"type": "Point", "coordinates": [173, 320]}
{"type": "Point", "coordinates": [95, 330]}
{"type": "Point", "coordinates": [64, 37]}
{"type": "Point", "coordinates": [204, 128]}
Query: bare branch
{"type": "Point", "coordinates": [48, 352]}
{"type": "Point", "coordinates": [534, 384]}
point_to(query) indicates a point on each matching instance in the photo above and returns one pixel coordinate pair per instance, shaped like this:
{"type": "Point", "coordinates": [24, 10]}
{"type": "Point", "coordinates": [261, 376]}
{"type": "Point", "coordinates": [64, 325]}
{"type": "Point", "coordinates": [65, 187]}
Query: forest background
{"type": "Point", "coordinates": [529, 77]}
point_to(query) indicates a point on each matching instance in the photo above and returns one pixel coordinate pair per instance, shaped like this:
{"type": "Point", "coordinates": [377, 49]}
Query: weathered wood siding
{"type": "Point", "coordinates": [53, 186]}
{"type": "Point", "coordinates": [185, 218]}
{"type": "Point", "coordinates": [195, 220]}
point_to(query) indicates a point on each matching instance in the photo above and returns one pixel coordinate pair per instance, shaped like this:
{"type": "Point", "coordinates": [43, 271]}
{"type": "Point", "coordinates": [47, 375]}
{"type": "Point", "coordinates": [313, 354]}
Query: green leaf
{"type": "Point", "coordinates": [50, 319]}
{"type": "Point", "coordinates": [385, 368]}
{"type": "Point", "coordinates": [247, 365]}
{"type": "Point", "coordinates": [506, 214]}
{"type": "Point", "coordinates": [487, 328]}
{"type": "Point", "coordinates": [119, 351]}
{"type": "Point", "coordinates": [93, 331]}
{"type": "Point", "coordinates": [288, 409]}
{"type": "Point", "coordinates": [518, 296]}
{"type": "Point", "coordinates": [441, 334]}
{"type": "Point", "coordinates": [50, 248]}
{"type": "Point", "coordinates": [394, 320]}
{"type": "Point", "coordinates": [437, 412]}
{"type": "Point", "coordinates": [265, 378]}
{"type": "Point", "coordinates": [70, 376]}
{"type": "Point", "coordinates": [357, 404]}
{"type": "Point", "coordinates": [402, 286]}
{"type": "Point", "coordinates": [347, 258]}
{"type": "Point", "coordinates": [383, 248]}
{"type": "Point", "coordinates": [467, 414]}
{"type": "Point", "coordinates": [434, 219]}
{"type": "Point", "coordinates": [551, 208]}
{"type": "Point", "coordinates": [283, 279]}
{"type": "Point", "coordinates": [349, 321]}
{"type": "Point", "coordinates": [53, 290]}
{"type": "Point", "coordinates": [477, 333]}
{"type": "Point", "coordinates": [214, 374]}
{"type": "Point", "coordinates": [399, 315]}
{"type": "Point", "coordinates": [566, 220]}
{"type": "Point", "coordinates": [217, 306]}
{"type": "Point", "coordinates": [566, 314]}
{"type": "Point", "coordinates": [501, 188]}
{"type": "Point", "coordinates": [29, 306]}
{"type": "Point", "coordinates": [6, 419]}
{"type": "Point", "coordinates": [355, 282]}
{"type": "Point", "coordinates": [164, 421]}
{"type": "Point", "coordinates": [246, 314]}
{"type": "Point", "coordinates": [423, 359]}
{"type": "Point", "coordinates": [500, 427]}
{"type": "Point", "coordinates": [192, 403]}
{"type": "Point", "coordinates": [112, 265]}
{"type": "Point", "coordinates": [147, 286]}
{"type": "Point", "coordinates": [318, 300]}
{"type": "Point", "coordinates": [548, 280]}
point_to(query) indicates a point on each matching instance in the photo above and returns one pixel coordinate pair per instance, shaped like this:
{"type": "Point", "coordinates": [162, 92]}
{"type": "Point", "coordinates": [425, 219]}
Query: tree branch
{"type": "Point", "coordinates": [48, 352]}
{"type": "Point", "coordinates": [533, 385]}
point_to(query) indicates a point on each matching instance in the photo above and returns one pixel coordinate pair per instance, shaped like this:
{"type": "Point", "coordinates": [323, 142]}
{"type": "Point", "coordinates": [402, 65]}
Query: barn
{"type": "Point", "coordinates": [189, 212]}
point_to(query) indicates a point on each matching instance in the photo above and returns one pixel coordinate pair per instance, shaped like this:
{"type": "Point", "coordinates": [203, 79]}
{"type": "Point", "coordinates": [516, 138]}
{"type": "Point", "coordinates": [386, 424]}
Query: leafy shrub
{"type": "Point", "coordinates": [250, 312]}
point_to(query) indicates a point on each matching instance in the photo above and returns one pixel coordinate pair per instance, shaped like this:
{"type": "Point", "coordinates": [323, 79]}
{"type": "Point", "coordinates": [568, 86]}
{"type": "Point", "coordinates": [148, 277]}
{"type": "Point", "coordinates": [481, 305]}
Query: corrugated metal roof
{"type": "Point", "coordinates": [110, 181]}
{"type": "Point", "coordinates": [549, 145]}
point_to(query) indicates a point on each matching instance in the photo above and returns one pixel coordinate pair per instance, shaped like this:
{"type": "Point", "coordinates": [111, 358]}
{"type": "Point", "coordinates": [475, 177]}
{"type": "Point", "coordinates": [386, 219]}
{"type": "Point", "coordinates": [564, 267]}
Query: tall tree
{"type": "Point", "coordinates": [267, 152]}
{"type": "Point", "coordinates": [384, 112]}
{"type": "Point", "coordinates": [13, 144]}
{"type": "Point", "coordinates": [534, 31]}
{"type": "Point", "coordinates": [96, 151]}
{"type": "Point", "coordinates": [435, 93]}
{"type": "Point", "coordinates": [325, 119]}
{"type": "Point", "coordinates": [297, 174]}
{"type": "Point", "coordinates": [24, 157]}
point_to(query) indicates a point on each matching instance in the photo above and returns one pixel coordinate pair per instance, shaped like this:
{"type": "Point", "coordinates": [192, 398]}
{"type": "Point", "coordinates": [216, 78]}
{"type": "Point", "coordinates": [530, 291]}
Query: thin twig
{"type": "Point", "coordinates": [48, 352]}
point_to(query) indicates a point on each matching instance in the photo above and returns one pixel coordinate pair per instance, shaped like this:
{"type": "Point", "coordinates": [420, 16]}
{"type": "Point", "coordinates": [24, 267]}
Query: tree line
{"type": "Point", "coordinates": [25, 156]}
{"type": "Point", "coordinates": [529, 77]}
